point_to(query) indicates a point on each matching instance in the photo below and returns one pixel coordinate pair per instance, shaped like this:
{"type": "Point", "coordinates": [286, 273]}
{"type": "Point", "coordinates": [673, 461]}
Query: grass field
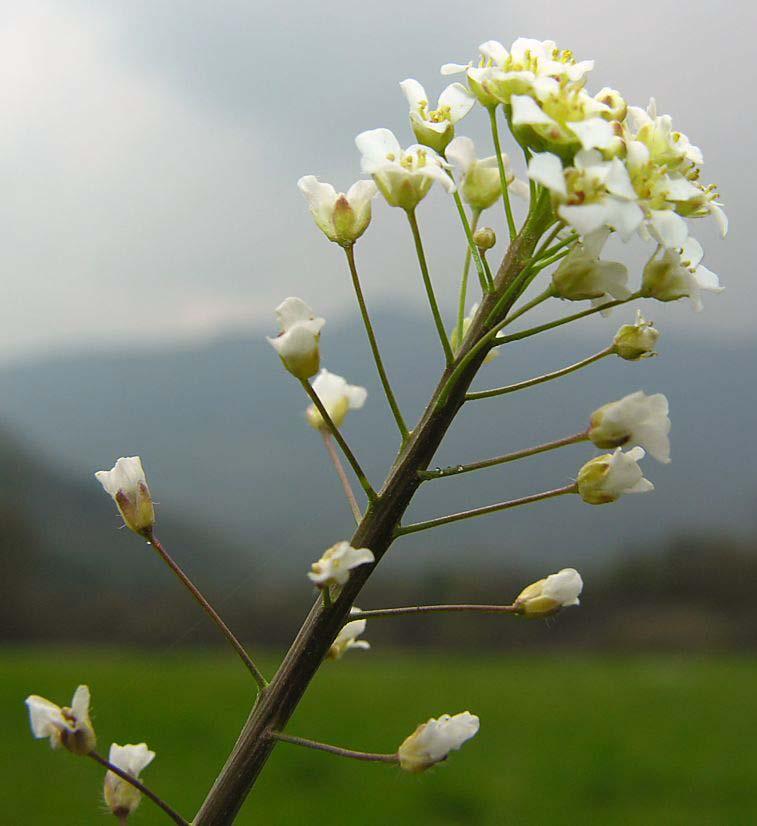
{"type": "Point", "coordinates": [563, 740]}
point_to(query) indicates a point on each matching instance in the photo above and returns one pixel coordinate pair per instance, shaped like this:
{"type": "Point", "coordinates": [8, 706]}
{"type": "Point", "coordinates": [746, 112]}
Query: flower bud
{"type": "Point", "coordinates": [432, 741]}
{"type": "Point", "coordinates": [484, 238]}
{"type": "Point", "coordinates": [679, 274]}
{"type": "Point", "coordinates": [298, 342]}
{"type": "Point", "coordinates": [127, 484]}
{"type": "Point", "coordinates": [581, 275]}
{"type": "Point", "coordinates": [347, 638]}
{"type": "Point", "coordinates": [481, 185]}
{"type": "Point", "coordinates": [120, 796]}
{"type": "Point", "coordinates": [606, 478]}
{"type": "Point", "coordinates": [617, 107]}
{"type": "Point", "coordinates": [337, 397]}
{"type": "Point", "coordinates": [635, 419]}
{"type": "Point", "coordinates": [549, 595]}
{"type": "Point", "coordinates": [636, 341]}
{"type": "Point", "coordinates": [343, 218]}
{"type": "Point", "coordinates": [334, 567]}
{"type": "Point", "coordinates": [69, 727]}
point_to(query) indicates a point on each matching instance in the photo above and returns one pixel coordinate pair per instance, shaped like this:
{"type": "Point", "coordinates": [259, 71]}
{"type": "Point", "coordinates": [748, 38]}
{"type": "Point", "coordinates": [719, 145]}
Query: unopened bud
{"type": "Point", "coordinates": [484, 238]}
{"type": "Point", "coordinates": [636, 341]}
{"type": "Point", "coordinates": [549, 595]}
{"type": "Point", "coordinates": [298, 342]}
{"type": "Point", "coordinates": [127, 484]}
{"type": "Point", "coordinates": [120, 796]}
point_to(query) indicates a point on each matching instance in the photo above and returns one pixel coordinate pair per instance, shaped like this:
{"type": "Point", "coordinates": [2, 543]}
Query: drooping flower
{"type": "Point", "coordinates": [121, 797]}
{"type": "Point", "coordinates": [636, 419]}
{"type": "Point", "coordinates": [636, 341]}
{"type": "Point", "coordinates": [480, 185]}
{"type": "Point", "coordinates": [549, 595]}
{"type": "Point", "coordinates": [435, 128]}
{"type": "Point", "coordinates": [127, 484]}
{"type": "Point", "coordinates": [607, 477]}
{"type": "Point", "coordinates": [679, 274]}
{"type": "Point", "coordinates": [581, 275]}
{"type": "Point", "coordinates": [432, 741]}
{"type": "Point", "coordinates": [590, 194]}
{"type": "Point", "coordinates": [334, 567]}
{"type": "Point", "coordinates": [68, 726]}
{"type": "Point", "coordinates": [404, 177]}
{"type": "Point", "coordinates": [337, 397]}
{"type": "Point", "coordinates": [343, 218]}
{"type": "Point", "coordinates": [298, 342]}
{"type": "Point", "coordinates": [347, 638]}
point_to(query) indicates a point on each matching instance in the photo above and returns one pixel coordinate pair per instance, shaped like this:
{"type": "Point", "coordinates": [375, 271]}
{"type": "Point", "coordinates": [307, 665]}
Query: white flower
{"type": "Point", "coordinates": [455, 343]}
{"type": "Point", "coordinates": [636, 341]}
{"type": "Point", "coordinates": [436, 127]}
{"type": "Point", "coordinates": [69, 727]}
{"type": "Point", "coordinates": [591, 194]}
{"type": "Point", "coordinates": [297, 343]}
{"type": "Point", "coordinates": [679, 274]}
{"type": "Point", "coordinates": [581, 275]}
{"type": "Point", "coordinates": [480, 185]}
{"type": "Point", "coordinates": [127, 484]}
{"type": "Point", "coordinates": [334, 567]}
{"type": "Point", "coordinates": [343, 218]}
{"type": "Point", "coordinates": [635, 419]}
{"type": "Point", "coordinates": [607, 477]}
{"type": "Point", "coordinates": [121, 797]}
{"type": "Point", "coordinates": [403, 176]}
{"type": "Point", "coordinates": [347, 638]}
{"type": "Point", "coordinates": [432, 741]}
{"type": "Point", "coordinates": [549, 595]}
{"type": "Point", "coordinates": [337, 397]}
{"type": "Point", "coordinates": [666, 146]}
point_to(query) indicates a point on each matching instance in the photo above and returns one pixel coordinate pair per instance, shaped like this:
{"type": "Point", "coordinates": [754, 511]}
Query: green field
{"type": "Point", "coordinates": [563, 740]}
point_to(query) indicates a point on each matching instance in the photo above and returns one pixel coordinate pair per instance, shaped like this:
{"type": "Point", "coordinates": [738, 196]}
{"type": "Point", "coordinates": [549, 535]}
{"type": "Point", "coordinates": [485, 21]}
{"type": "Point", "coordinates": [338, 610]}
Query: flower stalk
{"type": "Point", "coordinates": [336, 461]}
{"type": "Point", "coordinates": [492, 110]}
{"type": "Point", "coordinates": [414, 610]}
{"type": "Point", "coordinates": [475, 215]}
{"type": "Point", "coordinates": [365, 756]}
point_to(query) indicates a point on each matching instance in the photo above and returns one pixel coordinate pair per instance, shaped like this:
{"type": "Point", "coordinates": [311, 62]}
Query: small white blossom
{"type": "Point", "coordinates": [343, 218]}
{"type": "Point", "coordinates": [436, 127]}
{"type": "Point", "coordinates": [337, 397]}
{"type": "Point", "coordinates": [404, 177]}
{"type": "Point", "coordinates": [549, 595]}
{"type": "Point", "coordinates": [69, 727]}
{"type": "Point", "coordinates": [432, 741]}
{"type": "Point", "coordinates": [635, 419]}
{"type": "Point", "coordinates": [679, 274]}
{"type": "Point", "coordinates": [636, 341]}
{"type": "Point", "coordinates": [347, 638]}
{"type": "Point", "coordinates": [480, 185]}
{"type": "Point", "coordinates": [581, 275]}
{"type": "Point", "coordinates": [297, 343]}
{"type": "Point", "coordinates": [121, 797]}
{"type": "Point", "coordinates": [127, 484]}
{"type": "Point", "coordinates": [334, 567]}
{"type": "Point", "coordinates": [607, 477]}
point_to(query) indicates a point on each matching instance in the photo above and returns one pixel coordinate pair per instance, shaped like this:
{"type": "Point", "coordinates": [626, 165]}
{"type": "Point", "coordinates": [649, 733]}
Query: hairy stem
{"type": "Point", "coordinates": [555, 374]}
{"type": "Point", "coordinates": [367, 756]}
{"type": "Point", "coordinates": [208, 608]}
{"type": "Point", "coordinates": [470, 514]}
{"type": "Point", "coordinates": [350, 252]}
{"type": "Point", "coordinates": [502, 173]}
{"type": "Point", "coordinates": [456, 470]}
{"type": "Point", "coordinates": [175, 816]}
{"type": "Point", "coordinates": [348, 492]}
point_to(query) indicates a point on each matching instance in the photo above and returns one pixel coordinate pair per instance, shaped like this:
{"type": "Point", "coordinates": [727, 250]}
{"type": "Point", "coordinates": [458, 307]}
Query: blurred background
{"type": "Point", "coordinates": [149, 153]}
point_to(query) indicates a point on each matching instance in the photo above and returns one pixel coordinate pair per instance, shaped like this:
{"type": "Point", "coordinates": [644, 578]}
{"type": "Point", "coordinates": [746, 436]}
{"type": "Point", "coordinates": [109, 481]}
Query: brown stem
{"type": "Point", "coordinates": [432, 609]}
{"type": "Point", "coordinates": [208, 608]}
{"type": "Point", "coordinates": [368, 756]}
{"type": "Point", "coordinates": [175, 816]}
{"type": "Point", "coordinates": [342, 476]}
{"type": "Point", "coordinates": [376, 531]}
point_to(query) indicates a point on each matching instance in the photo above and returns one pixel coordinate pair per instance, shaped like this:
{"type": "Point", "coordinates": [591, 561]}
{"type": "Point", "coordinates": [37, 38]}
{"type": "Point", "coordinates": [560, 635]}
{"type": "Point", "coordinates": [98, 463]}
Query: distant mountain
{"type": "Point", "coordinates": [221, 431]}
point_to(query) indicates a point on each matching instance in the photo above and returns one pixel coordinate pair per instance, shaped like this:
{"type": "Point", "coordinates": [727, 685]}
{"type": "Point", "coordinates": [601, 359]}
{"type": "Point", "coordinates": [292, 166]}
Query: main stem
{"type": "Point", "coordinates": [208, 608]}
{"type": "Point", "coordinates": [376, 531]}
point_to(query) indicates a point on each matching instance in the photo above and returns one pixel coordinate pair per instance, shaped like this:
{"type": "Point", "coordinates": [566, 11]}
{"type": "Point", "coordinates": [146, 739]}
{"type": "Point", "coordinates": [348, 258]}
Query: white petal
{"type": "Point", "coordinates": [670, 229]}
{"type": "Point", "coordinates": [319, 195]}
{"type": "Point", "coordinates": [459, 100]}
{"type": "Point", "coordinates": [707, 280]}
{"type": "Point", "coordinates": [618, 181]}
{"type": "Point", "coordinates": [415, 94]}
{"type": "Point", "coordinates": [454, 68]}
{"type": "Point", "coordinates": [546, 169]}
{"type": "Point", "coordinates": [462, 152]}
{"type": "Point", "coordinates": [360, 193]}
{"type": "Point", "coordinates": [494, 51]}
{"type": "Point", "coordinates": [292, 311]}
{"type": "Point", "coordinates": [376, 145]}
{"type": "Point", "coordinates": [586, 218]}
{"type": "Point", "coordinates": [526, 112]}
{"type": "Point", "coordinates": [356, 396]}
{"type": "Point", "coordinates": [593, 133]}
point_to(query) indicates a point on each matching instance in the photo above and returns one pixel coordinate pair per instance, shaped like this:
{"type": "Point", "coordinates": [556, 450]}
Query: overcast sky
{"type": "Point", "coordinates": [149, 150]}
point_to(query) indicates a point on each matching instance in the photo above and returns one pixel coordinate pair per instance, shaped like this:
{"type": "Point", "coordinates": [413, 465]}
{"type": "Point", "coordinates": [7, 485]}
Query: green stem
{"type": "Point", "coordinates": [350, 253]}
{"type": "Point", "coordinates": [449, 358]}
{"type": "Point", "coordinates": [502, 173]}
{"type": "Point", "coordinates": [475, 215]}
{"type": "Point", "coordinates": [456, 470]}
{"type": "Point", "coordinates": [470, 514]}
{"type": "Point", "coordinates": [346, 487]}
{"type": "Point", "coordinates": [529, 305]}
{"type": "Point", "coordinates": [314, 744]}
{"type": "Point", "coordinates": [207, 607]}
{"type": "Point", "coordinates": [432, 609]}
{"type": "Point", "coordinates": [349, 455]}
{"type": "Point", "coordinates": [556, 374]}
{"type": "Point", "coordinates": [472, 248]}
